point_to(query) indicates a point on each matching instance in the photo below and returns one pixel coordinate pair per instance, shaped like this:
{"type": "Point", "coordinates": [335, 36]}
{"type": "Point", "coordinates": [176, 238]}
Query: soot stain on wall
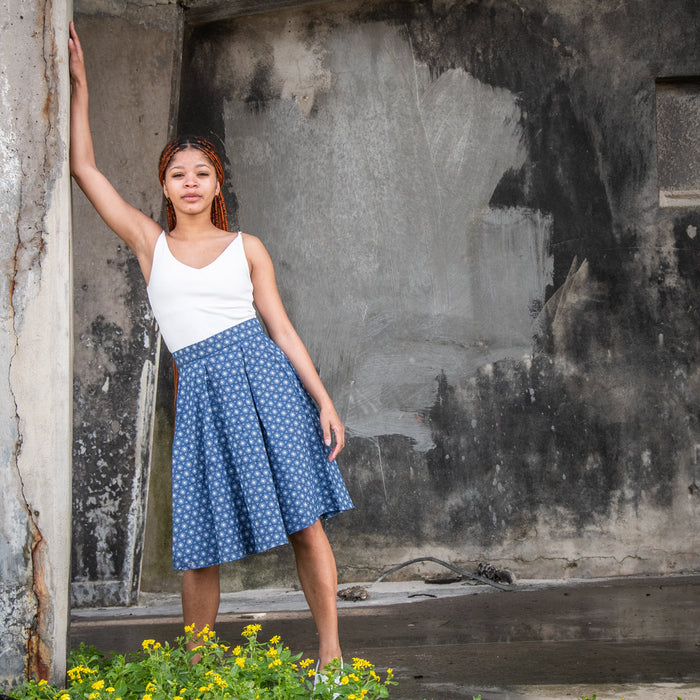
{"type": "Point", "coordinates": [104, 435]}
{"type": "Point", "coordinates": [600, 419]}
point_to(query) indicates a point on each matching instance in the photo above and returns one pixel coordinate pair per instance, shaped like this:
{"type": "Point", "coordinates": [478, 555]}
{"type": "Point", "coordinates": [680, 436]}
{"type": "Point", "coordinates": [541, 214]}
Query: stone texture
{"type": "Point", "coordinates": [35, 342]}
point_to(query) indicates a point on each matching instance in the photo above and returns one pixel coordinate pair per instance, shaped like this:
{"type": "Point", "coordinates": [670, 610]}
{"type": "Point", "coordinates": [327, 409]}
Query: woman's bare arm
{"type": "Point", "coordinates": [136, 229]}
{"type": "Point", "coordinates": [270, 307]}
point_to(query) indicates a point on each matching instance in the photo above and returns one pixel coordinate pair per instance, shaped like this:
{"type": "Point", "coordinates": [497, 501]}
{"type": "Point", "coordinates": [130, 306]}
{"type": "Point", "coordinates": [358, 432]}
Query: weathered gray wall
{"type": "Point", "coordinates": [131, 59]}
{"type": "Point", "coordinates": [462, 202]}
{"type": "Point", "coordinates": [35, 341]}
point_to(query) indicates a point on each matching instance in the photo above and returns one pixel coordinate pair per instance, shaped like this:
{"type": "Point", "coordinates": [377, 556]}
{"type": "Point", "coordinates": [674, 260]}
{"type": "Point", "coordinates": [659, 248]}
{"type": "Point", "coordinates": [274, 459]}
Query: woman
{"type": "Point", "coordinates": [253, 457]}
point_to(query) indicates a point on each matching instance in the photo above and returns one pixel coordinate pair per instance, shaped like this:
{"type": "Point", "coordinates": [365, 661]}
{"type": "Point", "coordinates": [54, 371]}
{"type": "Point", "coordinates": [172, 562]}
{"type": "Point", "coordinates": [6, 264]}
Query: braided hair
{"type": "Point", "coordinates": [219, 217]}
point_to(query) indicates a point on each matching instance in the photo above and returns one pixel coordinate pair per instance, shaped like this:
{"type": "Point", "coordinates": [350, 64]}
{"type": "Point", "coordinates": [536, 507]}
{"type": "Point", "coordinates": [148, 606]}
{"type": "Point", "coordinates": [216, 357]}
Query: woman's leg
{"type": "Point", "coordinates": [319, 580]}
{"type": "Point", "coordinates": [200, 597]}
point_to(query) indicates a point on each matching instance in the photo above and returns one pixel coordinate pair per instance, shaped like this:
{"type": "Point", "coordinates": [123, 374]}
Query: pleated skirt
{"type": "Point", "coordinates": [249, 464]}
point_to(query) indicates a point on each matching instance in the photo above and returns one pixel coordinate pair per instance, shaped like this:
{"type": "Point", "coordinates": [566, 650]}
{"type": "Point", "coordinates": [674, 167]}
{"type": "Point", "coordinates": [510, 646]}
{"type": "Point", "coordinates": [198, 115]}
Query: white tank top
{"type": "Point", "coordinates": [190, 303]}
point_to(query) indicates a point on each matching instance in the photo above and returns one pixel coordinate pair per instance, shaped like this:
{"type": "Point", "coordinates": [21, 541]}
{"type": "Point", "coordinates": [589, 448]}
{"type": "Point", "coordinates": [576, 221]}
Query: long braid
{"type": "Point", "coordinates": [219, 217]}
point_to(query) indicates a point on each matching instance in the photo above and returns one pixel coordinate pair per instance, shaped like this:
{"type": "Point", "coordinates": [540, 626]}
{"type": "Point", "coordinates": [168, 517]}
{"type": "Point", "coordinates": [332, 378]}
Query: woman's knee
{"type": "Point", "coordinates": [309, 536]}
{"type": "Point", "coordinates": [206, 573]}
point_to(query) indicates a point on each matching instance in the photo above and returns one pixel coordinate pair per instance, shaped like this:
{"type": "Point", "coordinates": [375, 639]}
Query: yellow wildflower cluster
{"type": "Point", "coordinates": [361, 664]}
{"type": "Point", "coordinates": [251, 630]}
{"type": "Point", "coordinates": [77, 672]}
{"type": "Point", "coordinates": [218, 674]}
{"type": "Point", "coordinates": [206, 634]}
{"type": "Point", "coordinates": [150, 644]}
{"type": "Point", "coordinates": [353, 696]}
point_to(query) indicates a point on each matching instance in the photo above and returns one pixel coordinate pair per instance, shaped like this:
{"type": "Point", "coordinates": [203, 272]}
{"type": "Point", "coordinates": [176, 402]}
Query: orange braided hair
{"type": "Point", "coordinates": [219, 217]}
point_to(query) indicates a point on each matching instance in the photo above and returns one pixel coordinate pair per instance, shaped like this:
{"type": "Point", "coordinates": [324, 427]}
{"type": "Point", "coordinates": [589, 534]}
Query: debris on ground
{"type": "Point", "coordinates": [353, 593]}
{"type": "Point", "coordinates": [492, 573]}
{"type": "Point", "coordinates": [500, 584]}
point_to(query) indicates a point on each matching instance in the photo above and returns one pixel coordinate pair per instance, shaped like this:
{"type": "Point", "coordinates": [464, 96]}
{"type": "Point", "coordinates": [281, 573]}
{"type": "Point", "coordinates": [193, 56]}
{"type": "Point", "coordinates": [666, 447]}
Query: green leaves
{"type": "Point", "coordinates": [199, 666]}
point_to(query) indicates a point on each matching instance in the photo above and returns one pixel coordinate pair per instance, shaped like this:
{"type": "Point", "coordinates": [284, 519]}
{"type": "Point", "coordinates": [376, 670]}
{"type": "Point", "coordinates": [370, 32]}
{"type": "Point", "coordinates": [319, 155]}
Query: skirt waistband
{"type": "Point", "coordinates": [237, 335]}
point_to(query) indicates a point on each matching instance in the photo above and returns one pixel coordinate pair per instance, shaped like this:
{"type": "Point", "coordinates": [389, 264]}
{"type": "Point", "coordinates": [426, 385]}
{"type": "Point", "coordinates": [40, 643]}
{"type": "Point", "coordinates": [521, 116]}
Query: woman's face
{"type": "Point", "coordinates": [190, 182]}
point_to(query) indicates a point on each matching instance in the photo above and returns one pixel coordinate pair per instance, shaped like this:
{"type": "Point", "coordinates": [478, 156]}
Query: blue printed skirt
{"type": "Point", "coordinates": [249, 462]}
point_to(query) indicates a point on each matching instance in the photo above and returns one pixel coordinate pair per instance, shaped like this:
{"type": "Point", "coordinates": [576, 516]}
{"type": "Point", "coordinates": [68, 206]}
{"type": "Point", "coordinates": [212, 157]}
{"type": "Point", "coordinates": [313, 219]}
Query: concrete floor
{"type": "Point", "coordinates": [632, 638]}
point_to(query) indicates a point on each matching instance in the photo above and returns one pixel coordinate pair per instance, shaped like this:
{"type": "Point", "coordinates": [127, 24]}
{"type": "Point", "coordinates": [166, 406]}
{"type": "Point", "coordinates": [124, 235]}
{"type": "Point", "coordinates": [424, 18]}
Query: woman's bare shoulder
{"type": "Point", "coordinates": [253, 245]}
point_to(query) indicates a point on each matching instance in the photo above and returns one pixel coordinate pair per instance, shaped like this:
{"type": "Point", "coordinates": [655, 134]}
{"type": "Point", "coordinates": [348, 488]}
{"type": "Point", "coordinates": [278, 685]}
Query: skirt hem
{"type": "Point", "coordinates": [227, 560]}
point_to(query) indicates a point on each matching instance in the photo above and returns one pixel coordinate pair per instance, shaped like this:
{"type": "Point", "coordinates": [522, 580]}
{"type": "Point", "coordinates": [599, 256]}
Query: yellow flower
{"type": "Point", "coordinates": [177, 697]}
{"type": "Point", "coordinates": [98, 685]}
{"type": "Point", "coordinates": [344, 680]}
{"type": "Point", "coordinates": [224, 647]}
{"type": "Point", "coordinates": [312, 673]}
{"type": "Point", "coordinates": [306, 662]}
{"type": "Point", "coordinates": [354, 677]}
{"type": "Point", "coordinates": [110, 689]}
{"type": "Point", "coordinates": [150, 687]}
{"type": "Point", "coordinates": [94, 695]}
{"type": "Point", "coordinates": [65, 696]}
{"type": "Point", "coordinates": [251, 630]}
{"type": "Point", "coordinates": [360, 664]}
{"type": "Point", "coordinates": [237, 651]}
{"type": "Point", "coordinates": [240, 661]}
{"type": "Point", "coordinates": [275, 639]}
{"type": "Point", "coordinates": [276, 662]}
{"type": "Point", "coordinates": [42, 682]}
{"type": "Point", "coordinates": [148, 643]}
{"type": "Point", "coordinates": [189, 629]}
{"type": "Point", "coordinates": [271, 652]}
{"type": "Point", "coordinates": [147, 696]}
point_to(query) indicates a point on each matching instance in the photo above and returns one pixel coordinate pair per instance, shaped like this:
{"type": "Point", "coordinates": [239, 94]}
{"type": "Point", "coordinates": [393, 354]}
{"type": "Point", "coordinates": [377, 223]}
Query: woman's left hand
{"type": "Point", "coordinates": [332, 427]}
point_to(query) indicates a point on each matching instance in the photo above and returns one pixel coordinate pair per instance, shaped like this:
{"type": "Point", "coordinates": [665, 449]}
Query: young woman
{"type": "Point", "coordinates": [253, 456]}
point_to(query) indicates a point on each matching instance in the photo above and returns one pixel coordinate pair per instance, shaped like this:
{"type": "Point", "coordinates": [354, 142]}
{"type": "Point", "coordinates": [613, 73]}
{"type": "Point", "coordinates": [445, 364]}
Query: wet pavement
{"type": "Point", "coordinates": [633, 638]}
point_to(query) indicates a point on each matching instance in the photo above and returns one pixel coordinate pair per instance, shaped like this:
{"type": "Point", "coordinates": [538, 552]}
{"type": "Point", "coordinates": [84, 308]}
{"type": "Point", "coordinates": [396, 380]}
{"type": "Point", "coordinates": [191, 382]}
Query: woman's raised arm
{"type": "Point", "coordinates": [136, 229]}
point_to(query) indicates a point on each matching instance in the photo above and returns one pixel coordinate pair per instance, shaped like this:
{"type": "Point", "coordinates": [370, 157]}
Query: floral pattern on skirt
{"type": "Point", "coordinates": [249, 462]}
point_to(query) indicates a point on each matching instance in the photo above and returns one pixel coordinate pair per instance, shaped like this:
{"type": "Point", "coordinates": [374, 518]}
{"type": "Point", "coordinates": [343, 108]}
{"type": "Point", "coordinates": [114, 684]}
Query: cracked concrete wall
{"type": "Point", "coordinates": [116, 341]}
{"type": "Point", "coordinates": [461, 198]}
{"type": "Point", "coordinates": [35, 342]}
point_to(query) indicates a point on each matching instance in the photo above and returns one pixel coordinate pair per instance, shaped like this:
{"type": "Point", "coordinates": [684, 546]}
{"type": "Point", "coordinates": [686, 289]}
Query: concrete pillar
{"type": "Point", "coordinates": [35, 340]}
